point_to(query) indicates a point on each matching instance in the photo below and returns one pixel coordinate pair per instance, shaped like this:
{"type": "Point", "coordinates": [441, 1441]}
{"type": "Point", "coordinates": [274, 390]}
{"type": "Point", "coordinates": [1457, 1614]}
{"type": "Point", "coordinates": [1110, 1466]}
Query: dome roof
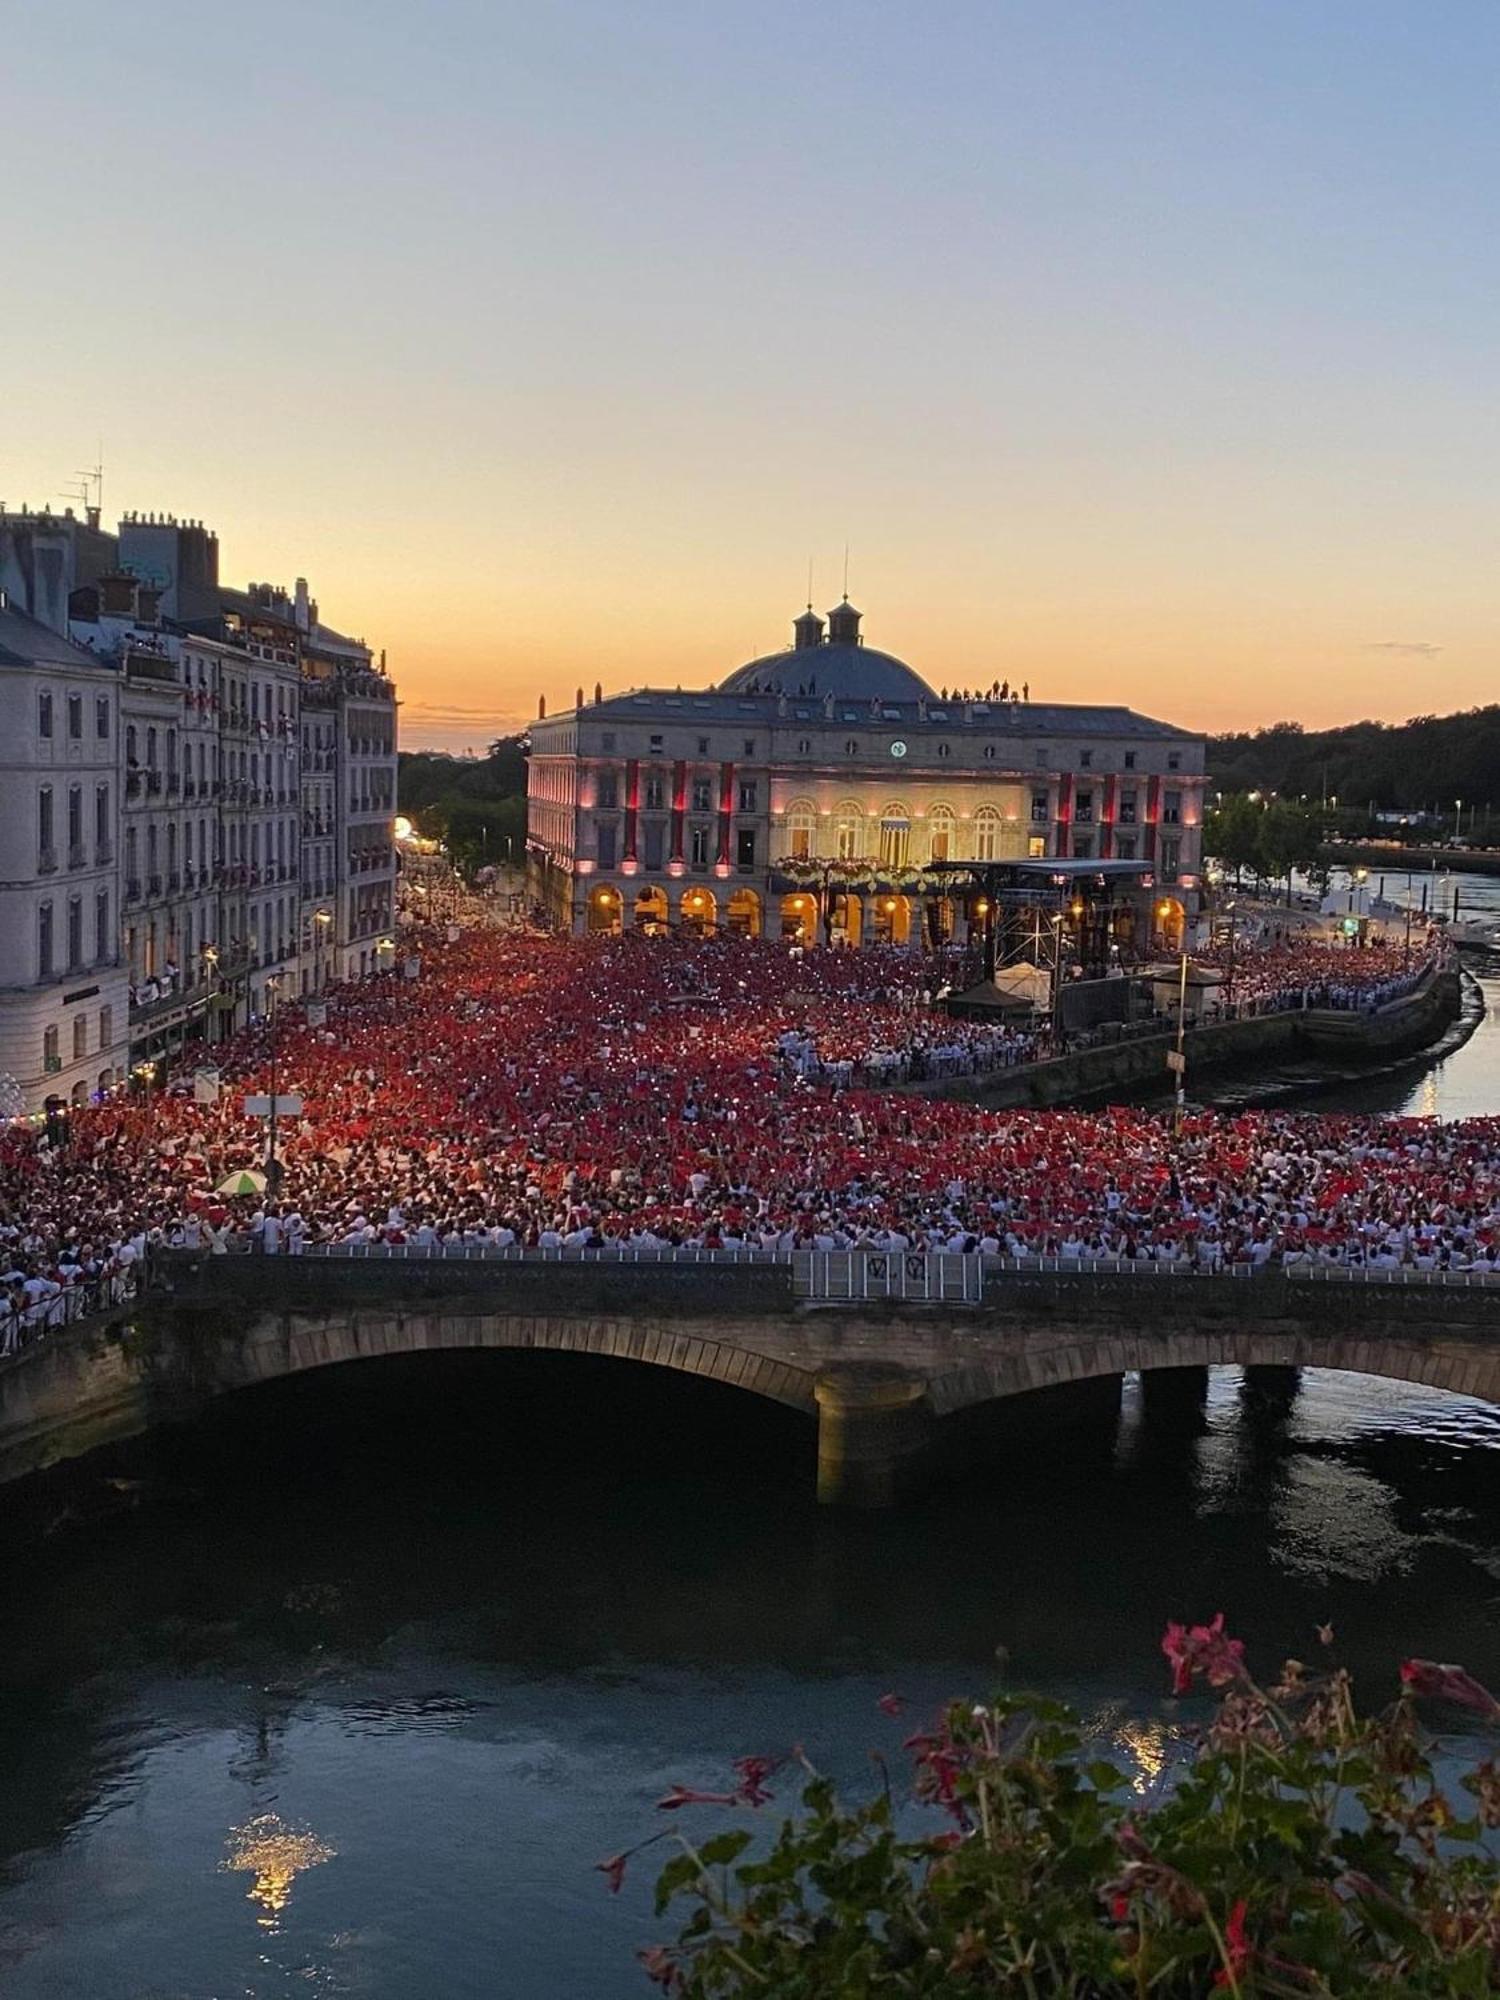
{"type": "Point", "coordinates": [839, 666]}
{"type": "Point", "coordinates": [848, 673]}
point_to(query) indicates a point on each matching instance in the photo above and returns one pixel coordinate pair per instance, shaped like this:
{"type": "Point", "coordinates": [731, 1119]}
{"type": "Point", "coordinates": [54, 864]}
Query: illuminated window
{"type": "Point", "coordinates": [940, 829]}
{"type": "Point", "coordinates": [895, 836]}
{"type": "Point", "coordinates": [986, 833]}
{"type": "Point", "coordinates": [801, 822]}
{"type": "Point", "coordinates": [849, 827]}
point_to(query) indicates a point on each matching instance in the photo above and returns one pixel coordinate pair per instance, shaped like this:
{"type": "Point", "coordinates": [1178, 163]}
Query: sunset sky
{"type": "Point", "coordinates": [1144, 351]}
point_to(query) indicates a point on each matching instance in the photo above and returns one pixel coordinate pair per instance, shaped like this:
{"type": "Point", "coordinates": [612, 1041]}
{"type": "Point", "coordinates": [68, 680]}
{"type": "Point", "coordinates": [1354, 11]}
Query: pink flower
{"type": "Point", "coordinates": [891, 1704]}
{"type": "Point", "coordinates": [684, 1795]}
{"type": "Point", "coordinates": [613, 1871]}
{"type": "Point", "coordinates": [1448, 1683]}
{"type": "Point", "coordinates": [660, 1968]}
{"type": "Point", "coordinates": [753, 1772]}
{"type": "Point", "coordinates": [1237, 1945]}
{"type": "Point", "coordinates": [1202, 1649]}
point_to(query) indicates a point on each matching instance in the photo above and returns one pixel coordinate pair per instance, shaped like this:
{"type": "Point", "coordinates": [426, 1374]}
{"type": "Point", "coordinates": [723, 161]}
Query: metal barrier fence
{"type": "Point", "coordinates": [21, 1325]}
{"type": "Point", "coordinates": [931, 1277]}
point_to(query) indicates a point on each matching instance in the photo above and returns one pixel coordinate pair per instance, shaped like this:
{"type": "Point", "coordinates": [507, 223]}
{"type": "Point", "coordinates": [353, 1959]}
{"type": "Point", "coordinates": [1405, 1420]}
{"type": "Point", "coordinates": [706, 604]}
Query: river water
{"type": "Point", "coordinates": [344, 1691]}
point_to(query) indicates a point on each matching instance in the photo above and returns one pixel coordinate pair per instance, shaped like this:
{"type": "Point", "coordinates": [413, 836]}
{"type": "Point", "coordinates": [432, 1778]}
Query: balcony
{"type": "Point", "coordinates": [133, 890]}
{"type": "Point", "coordinates": [166, 1006]}
{"type": "Point", "coordinates": [78, 855]}
{"type": "Point", "coordinates": [104, 851]}
{"type": "Point", "coordinates": [153, 782]}
{"type": "Point", "coordinates": [174, 883]}
{"type": "Point", "coordinates": [153, 885]}
{"type": "Point", "coordinates": [132, 784]}
{"type": "Point", "coordinates": [173, 781]}
{"type": "Point", "coordinates": [46, 861]}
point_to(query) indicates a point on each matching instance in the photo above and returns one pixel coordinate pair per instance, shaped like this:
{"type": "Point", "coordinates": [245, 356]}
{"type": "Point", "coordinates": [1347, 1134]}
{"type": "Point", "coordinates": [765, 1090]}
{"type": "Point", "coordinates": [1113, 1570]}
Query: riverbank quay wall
{"type": "Point", "coordinates": [1422, 863]}
{"type": "Point", "coordinates": [894, 1389]}
{"type": "Point", "coordinates": [1133, 1063]}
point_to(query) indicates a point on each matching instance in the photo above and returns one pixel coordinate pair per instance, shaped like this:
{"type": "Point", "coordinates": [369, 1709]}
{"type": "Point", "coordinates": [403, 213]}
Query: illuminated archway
{"type": "Point", "coordinates": [890, 920]}
{"type": "Point", "coordinates": [700, 911]}
{"type": "Point", "coordinates": [604, 909]}
{"type": "Point", "coordinates": [1168, 921]}
{"type": "Point", "coordinates": [799, 918]}
{"type": "Point", "coordinates": [742, 916]}
{"type": "Point", "coordinates": [651, 911]}
{"type": "Point", "coordinates": [848, 919]}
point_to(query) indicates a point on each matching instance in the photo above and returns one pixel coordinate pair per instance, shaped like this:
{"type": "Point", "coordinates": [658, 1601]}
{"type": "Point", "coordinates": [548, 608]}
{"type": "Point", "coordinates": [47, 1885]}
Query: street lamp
{"type": "Point", "coordinates": [146, 1073]}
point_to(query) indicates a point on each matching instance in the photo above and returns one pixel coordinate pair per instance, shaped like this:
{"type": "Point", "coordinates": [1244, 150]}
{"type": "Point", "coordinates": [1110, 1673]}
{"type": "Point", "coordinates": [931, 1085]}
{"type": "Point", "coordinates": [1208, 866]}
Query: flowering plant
{"type": "Point", "coordinates": [1299, 1849]}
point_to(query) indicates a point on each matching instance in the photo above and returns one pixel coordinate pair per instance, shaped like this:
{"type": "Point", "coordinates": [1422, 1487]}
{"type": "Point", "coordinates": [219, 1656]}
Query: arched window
{"type": "Point", "coordinates": [895, 835]}
{"type": "Point", "coordinates": [941, 822]}
{"type": "Point", "coordinates": [849, 827]}
{"type": "Point", "coordinates": [986, 833]}
{"type": "Point", "coordinates": [801, 825]}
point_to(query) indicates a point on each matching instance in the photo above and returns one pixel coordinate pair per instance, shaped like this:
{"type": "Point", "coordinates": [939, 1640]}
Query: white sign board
{"type": "Point", "coordinates": [257, 1106]}
{"type": "Point", "coordinates": [315, 1014]}
{"type": "Point", "coordinates": [1176, 1062]}
{"type": "Point", "coordinates": [205, 1086]}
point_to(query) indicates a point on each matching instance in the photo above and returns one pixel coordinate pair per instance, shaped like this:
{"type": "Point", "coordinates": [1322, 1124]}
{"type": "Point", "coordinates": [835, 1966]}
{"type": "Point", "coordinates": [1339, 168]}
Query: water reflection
{"type": "Point", "coordinates": [275, 1854]}
{"type": "Point", "coordinates": [470, 1614]}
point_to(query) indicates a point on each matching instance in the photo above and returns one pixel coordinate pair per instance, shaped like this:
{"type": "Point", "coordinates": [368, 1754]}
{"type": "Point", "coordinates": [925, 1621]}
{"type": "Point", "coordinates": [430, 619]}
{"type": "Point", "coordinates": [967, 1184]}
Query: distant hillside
{"type": "Point", "coordinates": [1401, 766]}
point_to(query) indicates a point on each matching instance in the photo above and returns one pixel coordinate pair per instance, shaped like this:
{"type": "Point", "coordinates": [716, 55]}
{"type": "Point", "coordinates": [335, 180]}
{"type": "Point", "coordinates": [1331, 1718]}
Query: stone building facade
{"type": "Point", "coordinates": [236, 820]}
{"type": "Point", "coordinates": [64, 992]}
{"type": "Point", "coordinates": [810, 792]}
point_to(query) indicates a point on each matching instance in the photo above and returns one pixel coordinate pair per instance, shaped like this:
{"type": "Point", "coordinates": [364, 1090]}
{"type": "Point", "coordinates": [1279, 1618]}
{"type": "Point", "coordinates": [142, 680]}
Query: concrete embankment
{"type": "Point", "coordinates": [1119, 1068]}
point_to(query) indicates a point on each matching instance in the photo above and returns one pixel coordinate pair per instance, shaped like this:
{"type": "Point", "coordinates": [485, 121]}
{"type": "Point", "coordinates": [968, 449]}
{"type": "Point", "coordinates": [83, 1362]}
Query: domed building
{"type": "Point", "coordinates": [830, 793]}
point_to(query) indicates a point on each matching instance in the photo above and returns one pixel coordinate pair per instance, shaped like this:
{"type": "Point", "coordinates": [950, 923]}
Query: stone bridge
{"type": "Point", "coordinates": [887, 1388]}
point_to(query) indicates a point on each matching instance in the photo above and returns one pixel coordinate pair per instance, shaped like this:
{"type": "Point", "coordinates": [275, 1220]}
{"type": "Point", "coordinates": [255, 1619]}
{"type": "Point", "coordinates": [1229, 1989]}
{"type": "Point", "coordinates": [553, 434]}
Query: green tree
{"type": "Point", "coordinates": [1231, 832]}
{"type": "Point", "coordinates": [1289, 838]}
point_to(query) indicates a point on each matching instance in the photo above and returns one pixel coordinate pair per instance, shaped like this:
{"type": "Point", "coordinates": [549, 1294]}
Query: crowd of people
{"type": "Point", "coordinates": [531, 1090]}
{"type": "Point", "coordinates": [1307, 972]}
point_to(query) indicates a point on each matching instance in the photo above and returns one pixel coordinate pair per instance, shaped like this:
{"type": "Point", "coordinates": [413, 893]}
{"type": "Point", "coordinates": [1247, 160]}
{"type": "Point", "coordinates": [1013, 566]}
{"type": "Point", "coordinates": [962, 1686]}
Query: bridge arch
{"type": "Point", "coordinates": [276, 1348]}
{"type": "Point", "coordinates": [1463, 1367]}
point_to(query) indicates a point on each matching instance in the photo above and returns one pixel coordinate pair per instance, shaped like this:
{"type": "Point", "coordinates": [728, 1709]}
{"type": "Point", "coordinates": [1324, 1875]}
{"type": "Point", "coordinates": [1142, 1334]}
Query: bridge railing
{"type": "Point", "coordinates": [517, 1253]}
{"type": "Point", "coordinates": [29, 1320]}
{"type": "Point", "coordinates": [931, 1276]}
{"type": "Point", "coordinates": [1401, 1274]}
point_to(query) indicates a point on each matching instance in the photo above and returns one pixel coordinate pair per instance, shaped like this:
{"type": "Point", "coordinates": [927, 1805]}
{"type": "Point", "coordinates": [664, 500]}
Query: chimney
{"type": "Point", "coordinates": [541, 708]}
{"type": "Point", "coordinates": [579, 701]}
{"type": "Point", "coordinates": [302, 605]}
{"type": "Point", "coordinates": [598, 692]}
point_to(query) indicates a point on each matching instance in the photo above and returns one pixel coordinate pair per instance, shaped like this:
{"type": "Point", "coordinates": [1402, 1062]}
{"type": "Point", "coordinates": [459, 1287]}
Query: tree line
{"type": "Point", "coordinates": [475, 805]}
{"type": "Point", "coordinates": [1423, 765]}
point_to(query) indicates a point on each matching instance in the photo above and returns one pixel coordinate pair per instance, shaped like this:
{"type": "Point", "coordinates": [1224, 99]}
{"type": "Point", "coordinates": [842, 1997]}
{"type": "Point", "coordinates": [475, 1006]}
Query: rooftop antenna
{"type": "Point", "coordinates": [93, 477]}
{"type": "Point", "coordinates": [809, 583]}
{"type": "Point", "coordinates": [846, 572]}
